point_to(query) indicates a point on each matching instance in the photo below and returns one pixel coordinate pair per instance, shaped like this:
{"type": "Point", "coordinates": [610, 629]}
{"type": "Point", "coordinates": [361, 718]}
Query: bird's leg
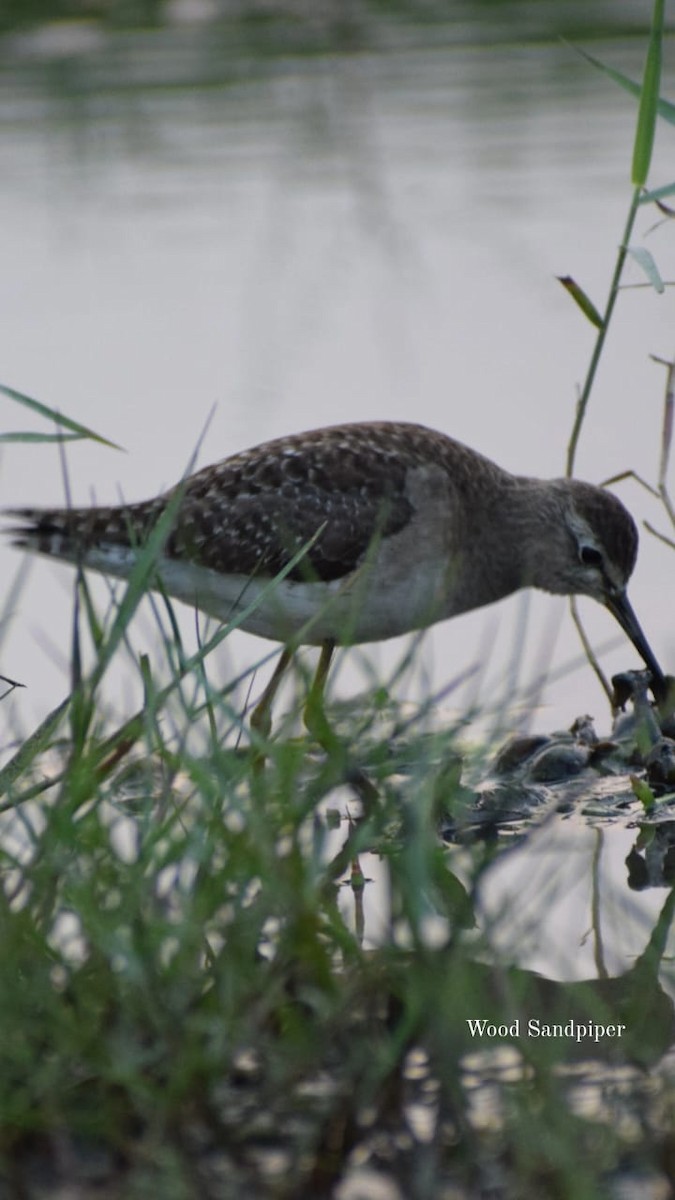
{"type": "Point", "coordinates": [314, 714]}
{"type": "Point", "coordinates": [261, 717]}
{"type": "Point", "coordinates": [315, 719]}
{"type": "Point", "coordinates": [318, 725]}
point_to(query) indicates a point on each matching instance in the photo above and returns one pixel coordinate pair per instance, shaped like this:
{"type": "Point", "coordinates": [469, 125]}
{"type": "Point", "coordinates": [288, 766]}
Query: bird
{"type": "Point", "coordinates": [401, 526]}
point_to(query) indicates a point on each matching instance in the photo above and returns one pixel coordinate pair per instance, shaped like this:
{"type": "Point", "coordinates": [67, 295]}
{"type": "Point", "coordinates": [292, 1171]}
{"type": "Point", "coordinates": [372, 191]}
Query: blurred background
{"type": "Point", "coordinates": [231, 221]}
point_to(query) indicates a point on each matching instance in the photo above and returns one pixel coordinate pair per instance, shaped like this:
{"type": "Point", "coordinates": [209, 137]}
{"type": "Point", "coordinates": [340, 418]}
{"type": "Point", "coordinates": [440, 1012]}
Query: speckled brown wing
{"type": "Point", "coordinates": [344, 485]}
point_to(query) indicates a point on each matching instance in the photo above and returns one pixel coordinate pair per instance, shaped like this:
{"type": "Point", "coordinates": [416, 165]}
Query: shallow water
{"type": "Point", "coordinates": [326, 239]}
{"type": "Point", "coordinates": [306, 240]}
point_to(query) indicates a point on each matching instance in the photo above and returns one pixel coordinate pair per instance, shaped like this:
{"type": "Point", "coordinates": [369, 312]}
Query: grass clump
{"type": "Point", "coordinates": [188, 1002]}
{"type": "Point", "coordinates": [182, 990]}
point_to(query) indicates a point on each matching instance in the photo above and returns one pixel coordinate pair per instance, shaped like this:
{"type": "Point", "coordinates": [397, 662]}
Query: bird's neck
{"type": "Point", "coordinates": [509, 555]}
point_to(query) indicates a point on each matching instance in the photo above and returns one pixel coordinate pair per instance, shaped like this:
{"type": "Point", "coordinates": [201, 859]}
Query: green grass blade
{"type": "Point", "coordinates": [649, 99]}
{"type": "Point", "coordinates": [58, 418]}
{"type": "Point", "coordinates": [648, 92]}
{"type": "Point", "coordinates": [40, 437]}
{"type": "Point", "coordinates": [579, 296]}
{"type": "Point", "coordinates": [32, 746]}
{"type": "Point", "coordinates": [645, 261]}
{"type": "Point", "coordinates": [664, 108]}
{"type": "Point", "coordinates": [657, 194]}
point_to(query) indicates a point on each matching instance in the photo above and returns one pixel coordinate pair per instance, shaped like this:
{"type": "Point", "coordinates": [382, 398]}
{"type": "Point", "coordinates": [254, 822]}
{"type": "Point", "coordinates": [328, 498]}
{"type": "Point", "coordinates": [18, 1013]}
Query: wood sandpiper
{"type": "Point", "coordinates": [408, 526]}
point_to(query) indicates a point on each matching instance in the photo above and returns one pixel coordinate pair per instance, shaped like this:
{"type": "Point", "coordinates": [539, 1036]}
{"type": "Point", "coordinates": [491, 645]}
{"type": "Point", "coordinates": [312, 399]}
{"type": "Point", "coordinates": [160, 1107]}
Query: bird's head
{"type": "Point", "coordinates": [596, 549]}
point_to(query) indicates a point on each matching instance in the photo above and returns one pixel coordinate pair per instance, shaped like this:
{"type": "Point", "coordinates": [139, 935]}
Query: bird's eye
{"type": "Point", "coordinates": [590, 556]}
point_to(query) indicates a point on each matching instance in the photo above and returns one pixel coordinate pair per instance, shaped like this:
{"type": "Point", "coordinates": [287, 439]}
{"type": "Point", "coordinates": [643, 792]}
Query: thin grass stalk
{"type": "Point", "coordinates": [642, 154]}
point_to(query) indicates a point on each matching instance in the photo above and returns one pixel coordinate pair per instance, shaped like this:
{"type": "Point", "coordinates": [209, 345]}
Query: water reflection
{"type": "Point", "coordinates": [234, 209]}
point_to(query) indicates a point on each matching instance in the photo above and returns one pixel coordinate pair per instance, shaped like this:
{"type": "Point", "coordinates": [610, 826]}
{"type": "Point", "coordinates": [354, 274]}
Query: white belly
{"type": "Point", "coordinates": [356, 609]}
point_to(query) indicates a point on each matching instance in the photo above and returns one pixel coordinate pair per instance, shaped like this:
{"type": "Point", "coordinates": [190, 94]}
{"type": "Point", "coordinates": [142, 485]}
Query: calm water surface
{"type": "Point", "coordinates": [373, 236]}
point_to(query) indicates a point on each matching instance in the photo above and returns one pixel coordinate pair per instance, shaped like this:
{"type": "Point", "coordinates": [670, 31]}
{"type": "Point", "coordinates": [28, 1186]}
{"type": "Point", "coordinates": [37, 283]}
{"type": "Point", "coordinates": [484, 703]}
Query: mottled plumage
{"type": "Point", "coordinates": [410, 527]}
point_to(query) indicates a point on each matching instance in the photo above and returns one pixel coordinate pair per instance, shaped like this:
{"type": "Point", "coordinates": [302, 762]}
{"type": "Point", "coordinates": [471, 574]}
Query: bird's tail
{"type": "Point", "coordinates": [74, 534]}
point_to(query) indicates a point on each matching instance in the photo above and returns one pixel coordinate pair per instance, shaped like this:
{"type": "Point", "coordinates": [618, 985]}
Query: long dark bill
{"type": "Point", "coordinates": [621, 608]}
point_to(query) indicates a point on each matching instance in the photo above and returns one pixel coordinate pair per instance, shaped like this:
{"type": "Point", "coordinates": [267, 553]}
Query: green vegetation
{"type": "Point", "coordinates": [187, 1003]}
